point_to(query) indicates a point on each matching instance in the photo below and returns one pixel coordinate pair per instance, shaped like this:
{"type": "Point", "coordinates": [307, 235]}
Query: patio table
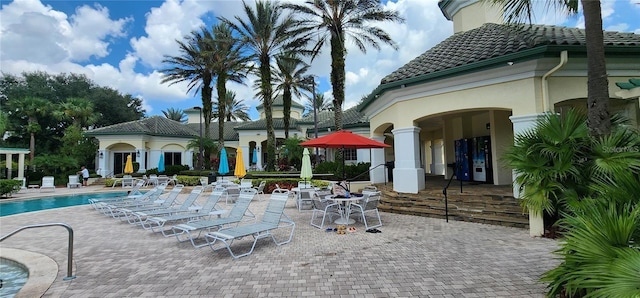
{"type": "Point", "coordinates": [345, 209]}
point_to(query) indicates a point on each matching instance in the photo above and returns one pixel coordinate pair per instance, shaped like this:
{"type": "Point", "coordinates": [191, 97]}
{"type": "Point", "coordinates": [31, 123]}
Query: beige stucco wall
{"type": "Point", "coordinates": [475, 15]}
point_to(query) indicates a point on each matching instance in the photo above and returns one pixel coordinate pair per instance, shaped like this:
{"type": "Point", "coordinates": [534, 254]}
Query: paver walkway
{"type": "Point", "coordinates": [412, 257]}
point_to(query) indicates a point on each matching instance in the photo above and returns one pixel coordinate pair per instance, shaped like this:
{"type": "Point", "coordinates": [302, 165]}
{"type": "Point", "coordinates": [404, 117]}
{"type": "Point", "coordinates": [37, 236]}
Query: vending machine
{"type": "Point", "coordinates": [481, 150]}
{"type": "Point", "coordinates": [463, 159]}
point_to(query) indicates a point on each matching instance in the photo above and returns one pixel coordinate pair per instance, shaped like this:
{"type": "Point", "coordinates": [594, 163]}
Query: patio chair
{"type": "Point", "coordinates": [328, 208]}
{"type": "Point", "coordinates": [231, 194]}
{"type": "Point", "coordinates": [74, 182]}
{"type": "Point", "coordinates": [273, 218]}
{"type": "Point", "coordinates": [48, 183]}
{"type": "Point", "coordinates": [210, 208]}
{"type": "Point", "coordinates": [186, 232]}
{"type": "Point", "coordinates": [368, 204]}
{"type": "Point", "coordinates": [305, 196]}
{"type": "Point", "coordinates": [127, 181]}
{"type": "Point", "coordinates": [139, 217]}
{"type": "Point", "coordinates": [173, 180]}
{"type": "Point", "coordinates": [260, 189]}
{"type": "Point", "coordinates": [161, 203]}
{"type": "Point", "coordinates": [163, 179]}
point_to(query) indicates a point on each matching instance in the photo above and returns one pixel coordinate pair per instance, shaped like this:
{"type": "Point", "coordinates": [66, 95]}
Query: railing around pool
{"type": "Point", "coordinates": [70, 250]}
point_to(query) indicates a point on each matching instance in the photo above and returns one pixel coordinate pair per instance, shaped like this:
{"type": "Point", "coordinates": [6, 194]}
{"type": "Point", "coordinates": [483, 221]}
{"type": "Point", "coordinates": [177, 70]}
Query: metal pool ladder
{"type": "Point", "coordinates": [70, 250]}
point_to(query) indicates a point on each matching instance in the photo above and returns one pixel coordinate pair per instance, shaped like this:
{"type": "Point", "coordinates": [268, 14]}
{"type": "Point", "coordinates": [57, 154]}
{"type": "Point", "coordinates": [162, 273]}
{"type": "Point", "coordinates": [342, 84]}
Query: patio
{"type": "Point", "coordinates": [413, 256]}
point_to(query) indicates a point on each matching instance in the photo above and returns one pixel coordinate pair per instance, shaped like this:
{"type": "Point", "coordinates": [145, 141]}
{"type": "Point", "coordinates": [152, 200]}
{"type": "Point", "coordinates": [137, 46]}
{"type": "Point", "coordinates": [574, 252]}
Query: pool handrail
{"type": "Point", "coordinates": [70, 250]}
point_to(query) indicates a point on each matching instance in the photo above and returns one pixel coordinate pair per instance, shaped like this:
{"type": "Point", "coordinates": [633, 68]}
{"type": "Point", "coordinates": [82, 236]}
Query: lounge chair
{"type": "Point", "coordinates": [148, 198]}
{"type": "Point", "coordinates": [260, 189]}
{"type": "Point", "coordinates": [74, 182]}
{"type": "Point", "coordinates": [162, 203]}
{"type": "Point", "coordinates": [48, 183]}
{"type": "Point", "coordinates": [232, 192]}
{"type": "Point", "coordinates": [368, 204]}
{"type": "Point", "coordinates": [139, 217]}
{"type": "Point", "coordinates": [127, 181]}
{"type": "Point", "coordinates": [210, 208]}
{"type": "Point", "coordinates": [236, 215]}
{"type": "Point", "coordinates": [273, 218]}
{"type": "Point", "coordinates": [132, 195]}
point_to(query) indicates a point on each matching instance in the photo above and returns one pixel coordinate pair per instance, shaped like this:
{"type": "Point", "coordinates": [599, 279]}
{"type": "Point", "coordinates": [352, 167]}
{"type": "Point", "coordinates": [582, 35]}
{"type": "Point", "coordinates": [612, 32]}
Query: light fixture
{"type": "Point", "coordinates": [101, 155]}
{"type": "Point", "coordinates": [137, 153]}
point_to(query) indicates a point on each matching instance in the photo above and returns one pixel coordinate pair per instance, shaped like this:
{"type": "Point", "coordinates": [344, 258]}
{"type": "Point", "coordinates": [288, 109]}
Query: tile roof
{"type": "Point", "coordinates": [278, 101]}
{"type": "Point", "coordinates": [496, 40]}
{"type": "Point", "coordinates": [230, 134]}
{"type": "Point", "coordinates": [156, 126]}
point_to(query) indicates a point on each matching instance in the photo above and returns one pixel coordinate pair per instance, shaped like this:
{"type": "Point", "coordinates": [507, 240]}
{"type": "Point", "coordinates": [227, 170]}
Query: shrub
{"type": "Point", "coordinates": [7, 187]}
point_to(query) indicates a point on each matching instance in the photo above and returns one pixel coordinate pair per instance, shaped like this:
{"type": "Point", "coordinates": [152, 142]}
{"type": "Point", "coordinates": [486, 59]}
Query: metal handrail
{"type": "Point", "coordinates": [70, 250]}
{"type": "Point", "coordinates": [365, 172]}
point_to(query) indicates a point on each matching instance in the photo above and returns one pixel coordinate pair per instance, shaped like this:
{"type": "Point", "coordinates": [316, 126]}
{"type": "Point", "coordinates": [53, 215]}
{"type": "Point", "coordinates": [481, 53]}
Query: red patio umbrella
{"type": "Point", "coordinates": [344, 139]}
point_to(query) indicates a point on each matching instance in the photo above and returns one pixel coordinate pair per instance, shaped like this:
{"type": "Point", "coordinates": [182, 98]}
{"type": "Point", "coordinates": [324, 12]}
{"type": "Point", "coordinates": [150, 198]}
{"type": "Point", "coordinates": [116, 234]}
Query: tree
{"type": "Point", "coordinates": [31, 108]}
{"type": "Point", "coordinates": [79, 111]}
{"type": "Point", "coordinates": [333, 22]}
{"type": "Point", "coordinates": [265, 32]}
{"type": "Point", "coordinates": [175, 115]}
{"type": "Point", "coordinates": [235, 110]}
{"type": "Point", "coordinates": [290, 80]}
{"type": "Point", "coordinates": [597, 83]}
{"type": "Point", "coordinates": [321, 103]}
{"type": "Point", "coordinates": [228, 64]}
{"type": "Point", "coordinates": [191, 66]}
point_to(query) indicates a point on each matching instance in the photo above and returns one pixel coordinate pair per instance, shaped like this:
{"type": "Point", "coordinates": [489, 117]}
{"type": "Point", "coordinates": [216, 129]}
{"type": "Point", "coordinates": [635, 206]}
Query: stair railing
{"type": "Point", "coordinates": [69, 251]}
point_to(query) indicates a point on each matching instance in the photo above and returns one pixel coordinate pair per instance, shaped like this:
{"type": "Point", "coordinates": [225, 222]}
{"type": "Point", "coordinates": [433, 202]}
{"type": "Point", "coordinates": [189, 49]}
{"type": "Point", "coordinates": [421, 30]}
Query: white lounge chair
{"type": "Point", "coordinates": [127, 181]}
{"type": "Point", "coordinates": [151, 197]}
{"type": "Point", "coordinates": [48, 183]}
{"type": "Point", "coordinates": [260, 189]}
{"type": "Point", "coordinates": [186, 232]}
{"type": "Point", "coordinates": [162, 203]}
{"type": "Point", "coordinates": [139, 217]}
{"type": "Point", "coordinates": [74, 182]}
{"type": "Point", "coordinates": [273, 218]}
{"type": "Point", "coordinates": [210, 208]}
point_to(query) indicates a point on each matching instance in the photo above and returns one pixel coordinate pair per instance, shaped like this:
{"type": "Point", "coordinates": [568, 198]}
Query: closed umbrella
{"type": "Point", "coordinates": [128, 166]}
{"type": "Point", "coordinates": [254, 158]}
{"type": "Point", "coordinates": [161, 163]}
{"type": "Point", "coordinates": [223, 168]}
{"type": "Point", "coordinates": [305, 172]}
{"type": "Point", "coordinates": [240, 171]}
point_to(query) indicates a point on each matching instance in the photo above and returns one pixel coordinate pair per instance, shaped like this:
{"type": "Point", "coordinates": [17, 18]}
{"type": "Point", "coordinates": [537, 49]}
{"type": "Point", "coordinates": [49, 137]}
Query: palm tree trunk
{"type": "Point", "coordinates": [598, 84]}
{"type": "Point", "coordinates": [337, 77]}
{"type": "Point", "coordinates": [32, 149]}
{"type": "Point", "coordinates": [286, 98]}
{"type": "Point", "coordinates": [265, 85]}
{"type": "Point", "coordinates": [222, 100]}
{"type": "Point", "coordinates": [206, 106]}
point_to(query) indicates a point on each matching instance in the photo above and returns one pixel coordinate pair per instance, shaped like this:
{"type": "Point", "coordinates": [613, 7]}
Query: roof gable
{"type": "Point", "coordinates": [155, 126]}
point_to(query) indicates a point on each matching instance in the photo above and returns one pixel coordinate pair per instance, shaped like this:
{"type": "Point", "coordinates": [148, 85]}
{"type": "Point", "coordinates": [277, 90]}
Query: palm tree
{"type": "Point", "coordinates": [235, 109]}
{"type": "Point", "coordinates": [78, 110]}
{"type": "Point", "coordinates": [191, 66]}
{"type": "Point", "coordinates": [290, 80]}
{"type": "Point", "coordinates": [597, 82]}
{"type": "Point", "coordinates": [333, 22]}
{"type": "Point", "coordinates": [321, 102]}
{"type": "Point", "coordinates": [265, 32]}
{"type": "Point", "coordinates": [31, 108]}
{"type": "Point", "coordinates": [175, 115]}
{"type": "Point", "coordinates": [228, 64]}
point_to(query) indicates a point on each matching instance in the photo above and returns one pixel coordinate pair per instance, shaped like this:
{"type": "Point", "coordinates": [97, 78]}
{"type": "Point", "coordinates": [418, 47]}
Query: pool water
{"type": "Point", "coordinates": [37, 204]}
{"type": "Point", "coordinates": [13, 276]}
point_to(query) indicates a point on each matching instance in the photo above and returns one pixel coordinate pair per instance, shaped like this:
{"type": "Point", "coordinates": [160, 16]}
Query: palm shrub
{"type": "Point", "coordinates": [589, 185]}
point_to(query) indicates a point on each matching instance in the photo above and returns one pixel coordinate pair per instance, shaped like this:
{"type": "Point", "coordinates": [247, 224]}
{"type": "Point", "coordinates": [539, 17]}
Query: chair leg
{"type": "Point", "coordinates": [377, 215]}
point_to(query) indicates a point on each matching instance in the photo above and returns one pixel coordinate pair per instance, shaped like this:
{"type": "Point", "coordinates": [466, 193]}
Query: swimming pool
{"type": "Point", "coordinates": [13, 276]}
{"type": "Point", "coordinates": [44, 203]}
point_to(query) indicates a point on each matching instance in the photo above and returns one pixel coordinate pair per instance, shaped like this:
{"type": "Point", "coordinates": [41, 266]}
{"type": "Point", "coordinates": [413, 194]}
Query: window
{"type": "Point", "coordinates": [350, 154]}
{"type": "Point", "coordinates": [172, 158]}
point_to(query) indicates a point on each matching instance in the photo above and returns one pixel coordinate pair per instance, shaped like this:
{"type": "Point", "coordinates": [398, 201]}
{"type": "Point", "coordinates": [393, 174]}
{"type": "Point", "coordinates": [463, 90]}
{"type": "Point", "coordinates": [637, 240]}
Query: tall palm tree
{"type": "Point", "coordinates": [290, 80]}
{"type": "Point", "coordinates": [321, 102]}
{"type": "Point", "coordinates": [599, 122]}
{"type": "Point", "coordinates": [266, 31]}
{"type": "Point", "coordinates": [79, 110]}
{"type": "Point", "coordinates": [31, 108]}
{"type": "Point", "coordinates": [333, 21]}
{"type": "Point", "coordinates": [235, 109]}
{"type": "Point", "coordinates": [228, 64]}
{"type": "Point", "coordinates": [192, 67]}
{"type": "Point", "coordinates": [175, 115]}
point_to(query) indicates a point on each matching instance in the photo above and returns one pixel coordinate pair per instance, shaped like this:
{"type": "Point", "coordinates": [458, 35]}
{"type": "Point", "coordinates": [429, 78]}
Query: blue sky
{"type": "Point", "coordinates": [121, 43]}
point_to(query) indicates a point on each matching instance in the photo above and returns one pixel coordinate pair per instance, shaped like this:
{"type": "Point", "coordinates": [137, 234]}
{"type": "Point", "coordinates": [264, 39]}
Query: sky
{"type": "Point", "coordinates": [121, 43]}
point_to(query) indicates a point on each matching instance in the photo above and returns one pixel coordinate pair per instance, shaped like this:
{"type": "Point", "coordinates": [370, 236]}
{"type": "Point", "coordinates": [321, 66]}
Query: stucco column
{"type": "Point", "coordinates": [377, 175]}
{"type": "Point", "coordinates": [521, 124]}
{"type": "Point", "coordinates": [8, 164]}
{"type": "Point", "coordinates": [141, 160]}
{"type": "Point", "coordinates": [408, 177]}
{"type": "Point", "coordinates": [259, 163]}
{"type": "Point", "coordinates": [102, 170]}
{"type": "Point", "coordinates": [21, 165]}
{"type": "Point", "coordinates": [188, 159]}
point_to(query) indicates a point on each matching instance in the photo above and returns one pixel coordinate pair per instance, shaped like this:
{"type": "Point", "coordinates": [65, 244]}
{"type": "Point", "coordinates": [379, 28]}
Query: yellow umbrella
{"type": "Point", "coordinates": [240, 171]}
{"type": "Point", "coordinates": [128, 167]}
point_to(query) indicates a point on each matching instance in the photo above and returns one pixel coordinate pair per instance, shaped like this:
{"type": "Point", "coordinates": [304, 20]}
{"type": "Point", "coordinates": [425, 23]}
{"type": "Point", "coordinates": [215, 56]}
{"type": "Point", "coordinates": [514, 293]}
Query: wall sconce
{"type": "Point", "coordinates": [101, 155]}
{"type": "Point", "coordinates": [137, 153]}
{"type": "Point", "coordinates": [258, 149]}
{"type": "Point", "coordinates": [488, 125]}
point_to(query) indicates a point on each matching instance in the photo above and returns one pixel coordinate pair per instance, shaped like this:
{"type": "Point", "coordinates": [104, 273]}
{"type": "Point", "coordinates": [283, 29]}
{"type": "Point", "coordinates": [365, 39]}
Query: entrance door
{"type": "Point", "coordinates": [120, 159]}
